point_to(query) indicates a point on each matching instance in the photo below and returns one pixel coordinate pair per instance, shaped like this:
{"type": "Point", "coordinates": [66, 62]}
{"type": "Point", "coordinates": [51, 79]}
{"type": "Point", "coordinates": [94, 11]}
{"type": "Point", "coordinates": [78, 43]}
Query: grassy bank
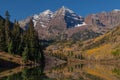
{"type": "Point", "coordinates": [14, 58]}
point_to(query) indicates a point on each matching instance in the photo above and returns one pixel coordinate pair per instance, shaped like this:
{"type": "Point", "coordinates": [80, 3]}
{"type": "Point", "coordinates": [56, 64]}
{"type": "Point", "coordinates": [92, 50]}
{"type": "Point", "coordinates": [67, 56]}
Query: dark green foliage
{"type": "Point", "coordinates": [16, 41]}
{"type": "Point", "coordinates": [35, 73]}
{"type": "Point", "coordinates": [25, 54]}
{"type": "Point", "coordinates": [7, 15]}
{"type": "Point", "coordinates": [7, 30]}
{"type": "Point", "coordinates": [30, 38]}
{"type": "Point", "coordinates": [16, 38]}
{"type": "Point", "coordinates": [2, 38]}
{"type": "Point", "coordinates": [10, 47]}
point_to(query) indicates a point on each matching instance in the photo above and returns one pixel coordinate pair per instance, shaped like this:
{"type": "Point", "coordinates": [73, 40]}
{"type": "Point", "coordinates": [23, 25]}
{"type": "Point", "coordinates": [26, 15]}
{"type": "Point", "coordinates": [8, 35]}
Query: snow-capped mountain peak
{"type": "Point", "coordinates": [43, 17]}
{"type": "Point", "coordinates": [65, 9]}
{"type": "Point", "coordinates": [46, 12]}
{"type": "Point", "coordinates": [64, 14]}
{"type": "Point", "coordinates": [70, 17]}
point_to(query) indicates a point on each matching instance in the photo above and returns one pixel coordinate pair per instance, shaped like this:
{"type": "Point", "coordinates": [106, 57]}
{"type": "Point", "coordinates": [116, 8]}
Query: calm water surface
{"type": "Point", "coordinates": [64, 72]}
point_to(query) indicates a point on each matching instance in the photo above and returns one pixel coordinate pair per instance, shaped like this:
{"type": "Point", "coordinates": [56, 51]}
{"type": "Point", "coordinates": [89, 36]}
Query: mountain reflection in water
{"type": "Point", "coordinates": [66, 72]}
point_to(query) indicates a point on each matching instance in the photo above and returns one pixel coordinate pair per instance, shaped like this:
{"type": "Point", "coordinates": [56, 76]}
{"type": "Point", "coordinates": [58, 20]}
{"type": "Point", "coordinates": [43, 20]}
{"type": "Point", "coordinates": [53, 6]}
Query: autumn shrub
{"type": "Point", "coordinates": [116, 52]}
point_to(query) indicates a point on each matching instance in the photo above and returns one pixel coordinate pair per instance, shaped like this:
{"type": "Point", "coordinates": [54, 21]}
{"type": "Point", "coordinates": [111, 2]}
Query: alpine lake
{"type": "Point", "coordinates": [67, 71]}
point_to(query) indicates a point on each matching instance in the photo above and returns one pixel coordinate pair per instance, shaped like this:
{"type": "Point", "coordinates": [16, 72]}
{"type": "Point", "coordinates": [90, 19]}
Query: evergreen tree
{"type": "Point", "coordinates": [2, 35]}
{"type": "Point", "coordinates": [7, 29]}
{"type": "Point", "coordinates": [10, 47]}
{"type": "Point", "coordinates": [23, 43]}
{"type": "Point", "coordinates": [7, 15]}
{"type": "Point", "coordinates": [16, 37]}
{"type": "Point", "coordinates": [25, 74]}
{"type": "Point", "coordinates": [25, 54]}
{"type": "Point", "coordinates": [32, 40]}
{"type": "Point", "coordinates": [2, 38]}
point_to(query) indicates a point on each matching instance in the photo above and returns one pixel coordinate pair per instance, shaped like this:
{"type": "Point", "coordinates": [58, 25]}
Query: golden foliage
{"type": "Point", "coordinates": [99, 52]}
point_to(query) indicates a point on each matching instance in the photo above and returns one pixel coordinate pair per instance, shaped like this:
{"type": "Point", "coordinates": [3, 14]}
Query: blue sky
{"type": "Point", "coordinates": [21, 9]}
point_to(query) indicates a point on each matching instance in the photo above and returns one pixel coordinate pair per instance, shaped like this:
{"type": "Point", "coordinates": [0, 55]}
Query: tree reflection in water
{"type": "Point", "coordinates": [69, 72]}
{"type": "Point", "coordinates": [35, 73]}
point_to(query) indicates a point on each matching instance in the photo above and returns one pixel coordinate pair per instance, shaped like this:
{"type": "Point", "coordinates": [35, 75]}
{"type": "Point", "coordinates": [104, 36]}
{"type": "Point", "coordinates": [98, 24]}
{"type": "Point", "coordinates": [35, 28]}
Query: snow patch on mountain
{"type": "Point", "coordinates": [79, 25]}
{"type": "Point", "coordinates": [36, 16]}
{"type": "Point", "coordinates": [43, 26]}
{"type": "Point", "coordinates": [47, 13]}
{"type": "Point", "coordinates": [35, 22]}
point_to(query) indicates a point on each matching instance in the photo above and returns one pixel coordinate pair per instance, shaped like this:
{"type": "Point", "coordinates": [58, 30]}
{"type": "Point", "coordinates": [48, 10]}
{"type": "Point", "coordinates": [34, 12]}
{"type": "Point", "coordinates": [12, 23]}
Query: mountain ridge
{"type": "Point", "coordinates": [64, 21]}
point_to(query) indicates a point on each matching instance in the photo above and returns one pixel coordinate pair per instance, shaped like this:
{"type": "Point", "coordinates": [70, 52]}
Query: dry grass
{"type": "Point", "coordinates": [12, 58]}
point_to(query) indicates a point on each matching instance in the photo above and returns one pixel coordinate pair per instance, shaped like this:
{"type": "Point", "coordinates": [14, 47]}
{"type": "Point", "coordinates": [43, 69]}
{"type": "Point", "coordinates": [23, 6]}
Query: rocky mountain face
{"type": "Point", "coordinates": [66, 24]}
{"type": "Point", "coordinates": [43, 18]}
{"type": "Point", "coordinates": [70, 18]}
{"type": "Point", "coordinates": [102, 22]}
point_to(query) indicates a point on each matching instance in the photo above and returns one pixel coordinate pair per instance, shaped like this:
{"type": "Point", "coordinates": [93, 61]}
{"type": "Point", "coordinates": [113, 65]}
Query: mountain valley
{"type": "Point", "coordinates": [60, 45]}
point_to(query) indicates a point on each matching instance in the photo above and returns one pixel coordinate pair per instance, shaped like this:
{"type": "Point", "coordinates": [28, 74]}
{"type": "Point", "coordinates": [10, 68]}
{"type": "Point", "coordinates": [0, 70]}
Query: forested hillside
{"type": "Point", "coordinates": [106, 46]}
{"type": "Point", "coordinates": [16, 41]}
